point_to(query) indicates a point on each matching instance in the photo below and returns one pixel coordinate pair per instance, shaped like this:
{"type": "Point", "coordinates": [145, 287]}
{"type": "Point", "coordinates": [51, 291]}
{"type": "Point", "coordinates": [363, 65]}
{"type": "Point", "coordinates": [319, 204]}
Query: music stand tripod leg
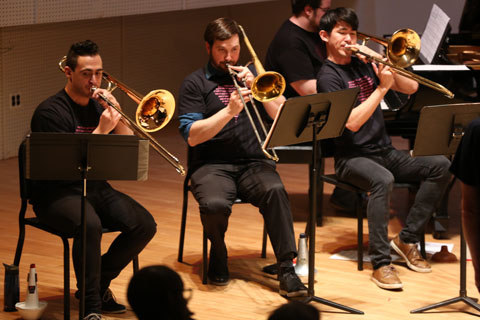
{"type": "Point", "coordinates": [463, 283]}
{"type": "Point", "coordinates": [312, 225]}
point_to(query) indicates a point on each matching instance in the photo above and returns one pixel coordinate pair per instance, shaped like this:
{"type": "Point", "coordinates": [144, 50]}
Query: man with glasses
{"type": "Point", "coordinates": [296, 51]}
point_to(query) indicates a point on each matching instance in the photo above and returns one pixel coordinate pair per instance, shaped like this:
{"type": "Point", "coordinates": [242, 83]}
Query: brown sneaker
{"type": "Point", "coordinates": [409, 252]}
{"type": "Point", "coordinates": [386, 277]}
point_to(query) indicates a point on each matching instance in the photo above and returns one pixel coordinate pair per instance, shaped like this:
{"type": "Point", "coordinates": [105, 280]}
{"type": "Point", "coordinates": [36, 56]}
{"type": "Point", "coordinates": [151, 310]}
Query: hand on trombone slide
{"type": "Point", "coordinates": [110, 119]}
{"type": "Point", "coordinates": [358, 49]}
{"type": "Point", "coordinates": [242, 74]}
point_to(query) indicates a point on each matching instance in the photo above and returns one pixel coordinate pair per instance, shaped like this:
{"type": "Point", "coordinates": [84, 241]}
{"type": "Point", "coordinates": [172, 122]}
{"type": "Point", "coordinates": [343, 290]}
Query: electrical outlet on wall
{"type": "Point", "coordinates": [15, 100]}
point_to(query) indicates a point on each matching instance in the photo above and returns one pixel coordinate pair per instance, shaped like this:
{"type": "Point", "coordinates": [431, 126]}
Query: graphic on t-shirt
{"type": "Point", "coordinates": [366, 87]}
{"type": "Point", "coordinates": [81, 129]}
{"type": "Point", "coordinates": [223, 92]}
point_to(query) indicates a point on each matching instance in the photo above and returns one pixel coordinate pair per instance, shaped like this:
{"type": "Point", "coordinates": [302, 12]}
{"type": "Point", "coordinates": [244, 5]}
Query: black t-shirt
{"type": "Point", "coordinates": [296, 54]}
{"type": "Point", "coordinates": [372, 136]}
{"type": "Point", "coordinates": [205, 92]}
{"type": "Point", "coordinates": [466, 163]}
{"type": "Point", "coordinates": [59, 113]}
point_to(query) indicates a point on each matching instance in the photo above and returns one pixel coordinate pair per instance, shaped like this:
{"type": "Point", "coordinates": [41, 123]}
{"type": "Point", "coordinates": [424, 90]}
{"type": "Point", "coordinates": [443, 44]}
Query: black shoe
{"type": "Point", "coordinates": [109, 305]}
{"type": "Point", "coordinates": [271, 269]}
{"type": "Point", "coordinates": [290, 283]}
{"type": "Point", "coordinates": [218, 280]}
{"type": "Point", "coordinates": [218, 271]}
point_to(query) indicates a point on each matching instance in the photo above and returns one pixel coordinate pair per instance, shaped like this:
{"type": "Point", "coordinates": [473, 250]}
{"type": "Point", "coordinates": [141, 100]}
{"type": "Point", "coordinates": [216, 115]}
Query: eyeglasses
{"type": "Point", "coordinates": [324, 9]}
{"type": "Point", "coordinates": [187, 293]}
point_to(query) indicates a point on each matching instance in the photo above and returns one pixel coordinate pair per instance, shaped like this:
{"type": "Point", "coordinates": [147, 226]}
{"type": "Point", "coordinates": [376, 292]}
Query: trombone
{"type": "Point", "coordinates": [402, 51]}
{"type": "Point", "coordinates": [154, 111]}
{"type": "Point", "coordinates": [266, 86]}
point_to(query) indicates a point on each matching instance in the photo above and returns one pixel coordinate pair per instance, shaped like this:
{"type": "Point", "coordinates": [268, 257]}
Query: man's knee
{"type": "Point", "coordinates": [216, 206]}
{"type": "Point", "coordinates": [383, 183]}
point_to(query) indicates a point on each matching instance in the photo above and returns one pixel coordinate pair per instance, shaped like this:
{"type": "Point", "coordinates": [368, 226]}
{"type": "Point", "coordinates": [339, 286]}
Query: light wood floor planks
{"type": "Point", "coordinates": [251, 294]}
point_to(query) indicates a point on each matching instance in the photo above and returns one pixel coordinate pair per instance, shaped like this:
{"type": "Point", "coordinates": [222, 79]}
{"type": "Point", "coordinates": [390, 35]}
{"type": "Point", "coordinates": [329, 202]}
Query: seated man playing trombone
{"type": "Point", "coordinates": [364, 155]}
{"type": "Point", "coordinates": [78, 109]}
{"type": "Point", "coordinates": [226, 159]}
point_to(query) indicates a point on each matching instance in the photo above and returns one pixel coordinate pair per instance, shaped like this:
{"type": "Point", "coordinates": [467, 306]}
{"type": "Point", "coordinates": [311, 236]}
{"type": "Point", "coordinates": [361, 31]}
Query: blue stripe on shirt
{"type": "Point", "coordinates": [186, 121]}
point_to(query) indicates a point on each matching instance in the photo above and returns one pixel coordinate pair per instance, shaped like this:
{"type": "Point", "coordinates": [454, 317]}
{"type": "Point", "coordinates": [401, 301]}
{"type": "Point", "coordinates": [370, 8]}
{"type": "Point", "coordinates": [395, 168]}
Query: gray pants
{"type": "Point", "coordinates": [216, 186]}
{"type": "Point", "coordinates": [376, 174]}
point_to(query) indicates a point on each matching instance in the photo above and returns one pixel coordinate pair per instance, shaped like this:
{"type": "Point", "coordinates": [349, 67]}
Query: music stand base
{"type": "Point", "coordinates": [472, 302]}
{"type": "Point", "coordinates": [332, 304]}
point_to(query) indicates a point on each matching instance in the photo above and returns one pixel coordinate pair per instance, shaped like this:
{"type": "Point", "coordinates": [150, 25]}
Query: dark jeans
{"type": "Point", "coordinates": [216, 186]}
{"type": "Point", "coordinates": [105, 207]}
{"type": "Point", "coordinates": [376, 174]}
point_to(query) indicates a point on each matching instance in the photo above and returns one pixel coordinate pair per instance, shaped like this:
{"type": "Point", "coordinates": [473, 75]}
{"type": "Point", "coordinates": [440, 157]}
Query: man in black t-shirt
{"type": "Point", "coordinates": [77, 109]}
{"type": "Point", "coordinates": [226, 159]}
{"type": "Point", "coordinates": [296, 51]}
{"type": "Point", "coordinates": [466, 167]}
{"type": "Point", "coordinates": [364, 155]}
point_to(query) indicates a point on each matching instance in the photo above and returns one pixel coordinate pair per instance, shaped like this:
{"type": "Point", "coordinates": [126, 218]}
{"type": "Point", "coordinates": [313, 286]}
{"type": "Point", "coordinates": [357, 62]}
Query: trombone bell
{"type": "Point", "coordinates": [268, 86]}
{"type": "Point", "coordinates": [155, 110]}
{"type": "Point", "coordinates": [404, 48]}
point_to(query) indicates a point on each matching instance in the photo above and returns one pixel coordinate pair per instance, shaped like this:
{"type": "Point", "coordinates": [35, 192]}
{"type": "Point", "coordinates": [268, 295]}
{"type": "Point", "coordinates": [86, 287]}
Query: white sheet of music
{"type": "Point", "coordinates": [433, 34]}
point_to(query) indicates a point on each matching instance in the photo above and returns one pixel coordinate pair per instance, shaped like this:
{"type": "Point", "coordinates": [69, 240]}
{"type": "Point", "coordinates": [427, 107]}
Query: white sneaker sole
{"type": "Point", "coordinates": [411, 266]}
{"type": "Point", "coordinates": [391, 286]}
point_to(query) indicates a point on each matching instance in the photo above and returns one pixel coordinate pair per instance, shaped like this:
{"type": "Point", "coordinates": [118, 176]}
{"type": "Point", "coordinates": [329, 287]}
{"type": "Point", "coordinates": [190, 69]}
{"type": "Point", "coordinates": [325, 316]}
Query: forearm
{"type": "Point", "coordinates": [272, 106]}
{"type": "Point", "coordinates": [404, 85]}
{"type": "Point", "coordinates": [364, 111]}
{"type": "Point", "coordinates": [205, 129]}
{"type": "Point", "coordinates": [123, 128]}
{"type": "Point", "coordinates": [305, 87]}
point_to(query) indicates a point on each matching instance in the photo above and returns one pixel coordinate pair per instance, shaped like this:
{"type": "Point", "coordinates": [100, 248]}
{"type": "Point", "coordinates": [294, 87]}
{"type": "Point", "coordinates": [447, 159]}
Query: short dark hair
{"type": "Point", "coordinates": [221, 29]}
{"type": "Point", "coordinates": [334, 16]}
{"type": "Point", "coordinates": [82, 48]}
{"type": "Point", "coordinates": [299, 5]}
{"type": "Point", "coordinates": [156, 292]}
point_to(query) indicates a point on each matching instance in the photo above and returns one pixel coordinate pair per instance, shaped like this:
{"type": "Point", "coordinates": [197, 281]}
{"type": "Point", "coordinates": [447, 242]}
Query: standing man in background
{"type": "Point", "coordinates": [297, 53]}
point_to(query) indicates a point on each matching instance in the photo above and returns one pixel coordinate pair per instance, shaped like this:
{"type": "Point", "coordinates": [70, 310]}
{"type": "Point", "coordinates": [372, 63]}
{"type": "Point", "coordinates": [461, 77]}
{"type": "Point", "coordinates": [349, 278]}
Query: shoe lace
{"type": "Point", "coordinates": [390, 270]}
{"type": "Point", "coordinates": [93, 316]}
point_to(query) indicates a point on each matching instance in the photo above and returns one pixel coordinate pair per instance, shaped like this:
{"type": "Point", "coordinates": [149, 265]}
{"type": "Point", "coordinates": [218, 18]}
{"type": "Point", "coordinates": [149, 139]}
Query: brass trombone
{"type": "Point", "coordinates": [154, 111]}
{"type": "Point", "coordinates": [402, 51]}
{"type": "Point", "coordinates": [266, 86]}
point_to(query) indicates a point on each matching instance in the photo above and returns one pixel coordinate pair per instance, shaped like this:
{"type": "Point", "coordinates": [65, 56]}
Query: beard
{"type": "Point", "coordinates": [221, 65]}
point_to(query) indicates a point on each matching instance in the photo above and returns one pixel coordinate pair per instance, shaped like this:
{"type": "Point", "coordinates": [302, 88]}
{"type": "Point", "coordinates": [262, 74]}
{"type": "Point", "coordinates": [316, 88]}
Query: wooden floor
{"type": "Point", "coordinates": [251, 294]}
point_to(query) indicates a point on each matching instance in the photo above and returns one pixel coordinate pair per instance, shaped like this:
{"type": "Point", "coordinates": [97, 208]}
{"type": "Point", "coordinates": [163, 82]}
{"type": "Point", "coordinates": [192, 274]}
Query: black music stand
{"type": "Point", "coordinates": [311, 118]}
{"type": "Point", "coordinates": [82, 157]}
{"type": "Point", "coordinates": [440, 129]}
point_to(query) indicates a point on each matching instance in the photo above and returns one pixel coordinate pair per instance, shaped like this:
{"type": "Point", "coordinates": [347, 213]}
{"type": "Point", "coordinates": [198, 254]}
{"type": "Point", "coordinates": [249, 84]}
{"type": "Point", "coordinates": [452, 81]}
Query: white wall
{"type": "Point", "coordinates": [147, 51]}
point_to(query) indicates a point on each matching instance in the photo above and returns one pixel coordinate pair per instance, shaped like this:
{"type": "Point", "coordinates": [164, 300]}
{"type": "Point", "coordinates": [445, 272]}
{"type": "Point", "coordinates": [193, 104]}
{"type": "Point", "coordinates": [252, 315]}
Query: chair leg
{"type": "Point", "coordinates": [183, 225]}
{"type": "Point", "coordinates": [264, 243]}
{"type": "Point", "coordinates": [66, 279]}
{"type": "Point", "coordinates": [358, 207]}
{"type": "Point", "coordinates": [205, 259]}
{"type": "Point", "coordinates": [423, 252]}
{"type": "Point", "coordinates": [135, 264]}
{"type": "Point", "coordinates": [21, 240]}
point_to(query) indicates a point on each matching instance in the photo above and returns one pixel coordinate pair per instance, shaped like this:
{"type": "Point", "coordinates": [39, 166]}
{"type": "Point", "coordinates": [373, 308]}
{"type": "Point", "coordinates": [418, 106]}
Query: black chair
{"type": "Point", "coordinates": [332, 179]}
{"type": "Point", "coordinates": [35, 222]}
{"type": "Point", "coordinates": [186, 189]}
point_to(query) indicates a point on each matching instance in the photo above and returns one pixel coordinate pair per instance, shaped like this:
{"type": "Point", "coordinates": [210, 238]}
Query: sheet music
{"type": "Point", "coordinates": [433, 34]}
{"type": "Point", "coordinates": [440, 67]}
